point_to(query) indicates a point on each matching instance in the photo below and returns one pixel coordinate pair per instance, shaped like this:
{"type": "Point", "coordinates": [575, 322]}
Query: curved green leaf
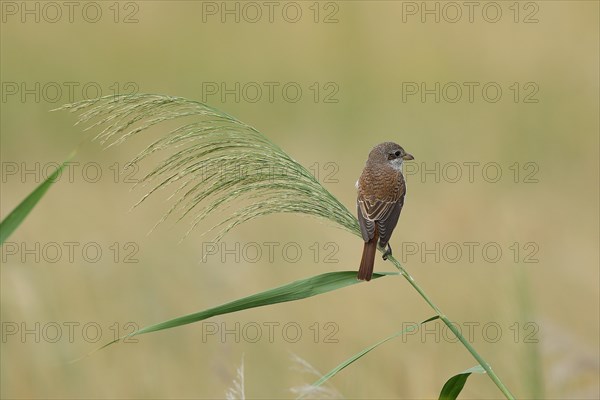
{"type": "Point", "coordinates": [455, 385]}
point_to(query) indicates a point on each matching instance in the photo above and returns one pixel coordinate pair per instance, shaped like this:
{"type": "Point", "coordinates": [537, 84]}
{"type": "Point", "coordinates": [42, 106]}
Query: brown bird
{"type": "Point", "coordinates": [381, 189]}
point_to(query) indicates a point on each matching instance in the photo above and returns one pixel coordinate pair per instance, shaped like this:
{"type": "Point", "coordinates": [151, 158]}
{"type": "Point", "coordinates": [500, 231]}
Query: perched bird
{"type": "Point", "coordinates": [381, 189]}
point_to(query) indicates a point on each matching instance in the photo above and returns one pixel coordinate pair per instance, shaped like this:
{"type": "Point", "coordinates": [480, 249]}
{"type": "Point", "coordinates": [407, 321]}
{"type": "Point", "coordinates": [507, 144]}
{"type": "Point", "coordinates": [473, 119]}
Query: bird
{"type": "Point", "coordinates": [381, 189]}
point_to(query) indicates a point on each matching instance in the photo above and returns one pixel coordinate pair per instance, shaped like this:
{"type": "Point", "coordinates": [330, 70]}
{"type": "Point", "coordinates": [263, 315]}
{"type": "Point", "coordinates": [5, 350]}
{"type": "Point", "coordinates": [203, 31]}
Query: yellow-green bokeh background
{"type": "Point", "coordinates": [368, 53]}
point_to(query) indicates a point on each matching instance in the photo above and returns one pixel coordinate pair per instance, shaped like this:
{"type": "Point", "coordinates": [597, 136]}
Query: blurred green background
{"type": "Point", "coordinates": [532, 313]}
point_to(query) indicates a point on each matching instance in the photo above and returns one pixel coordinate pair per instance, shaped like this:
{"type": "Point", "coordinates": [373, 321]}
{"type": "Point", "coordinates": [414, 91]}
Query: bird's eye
{"type": "Point", "coordinates": [397, 154]}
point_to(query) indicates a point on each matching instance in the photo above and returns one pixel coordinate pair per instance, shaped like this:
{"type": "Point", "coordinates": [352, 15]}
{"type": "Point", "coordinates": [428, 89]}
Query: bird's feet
{"type": "Point", "coordinates": [387, 252]}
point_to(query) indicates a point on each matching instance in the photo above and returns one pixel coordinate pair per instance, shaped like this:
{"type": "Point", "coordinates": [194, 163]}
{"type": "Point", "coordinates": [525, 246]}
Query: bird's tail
{"type": "Point", "coordinates": [368, 258]}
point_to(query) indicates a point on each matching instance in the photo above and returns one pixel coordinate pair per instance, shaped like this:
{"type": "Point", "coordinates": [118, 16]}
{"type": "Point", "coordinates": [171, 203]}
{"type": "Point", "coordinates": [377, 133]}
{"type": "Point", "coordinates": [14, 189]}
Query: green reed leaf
{"type": "Point", "coordinates": [16, 217]}
{"type": "Point", "coordinates": [363, 352]}
{"type": "Point", "coordinates": [455, 385]}
{"type": "Point", "coordinates": [297, 290]}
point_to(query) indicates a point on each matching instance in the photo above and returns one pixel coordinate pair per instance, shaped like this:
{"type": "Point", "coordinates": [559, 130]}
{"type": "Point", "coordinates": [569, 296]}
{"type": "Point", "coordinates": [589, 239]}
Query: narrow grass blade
{"type": "Point", "coordinates": [16, 217]}
{"type": "Point", "coordinates": [297, 290]}
{"type": "Point", "coordinates": [358, 355]}
{"type": "Point", "coordinates": [455, 385]}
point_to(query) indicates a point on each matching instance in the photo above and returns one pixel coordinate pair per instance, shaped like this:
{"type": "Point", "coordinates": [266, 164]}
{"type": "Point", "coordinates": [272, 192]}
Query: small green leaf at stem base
{"type": "Point", "coordinates": [454, 385]}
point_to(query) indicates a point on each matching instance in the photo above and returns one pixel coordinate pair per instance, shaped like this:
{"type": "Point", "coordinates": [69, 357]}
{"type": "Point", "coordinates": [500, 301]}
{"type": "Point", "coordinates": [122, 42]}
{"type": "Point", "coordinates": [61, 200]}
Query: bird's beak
{"type": "Point", "coordinates": [408, 157]}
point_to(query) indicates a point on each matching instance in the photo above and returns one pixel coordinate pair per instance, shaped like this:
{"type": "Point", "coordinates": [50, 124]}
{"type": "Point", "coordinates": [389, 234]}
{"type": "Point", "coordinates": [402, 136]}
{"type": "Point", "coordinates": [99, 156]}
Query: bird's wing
{"type": "Point", "coordinates": [386, 225]}
{"type": "Point", "coordinates": [367, 226]}
{"type": "Point", "coordinates": [382, 212]}
{"type": "Point", "coordinates": [370, 210]}
{"type": "Point", "coordinates": [375, 209]}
